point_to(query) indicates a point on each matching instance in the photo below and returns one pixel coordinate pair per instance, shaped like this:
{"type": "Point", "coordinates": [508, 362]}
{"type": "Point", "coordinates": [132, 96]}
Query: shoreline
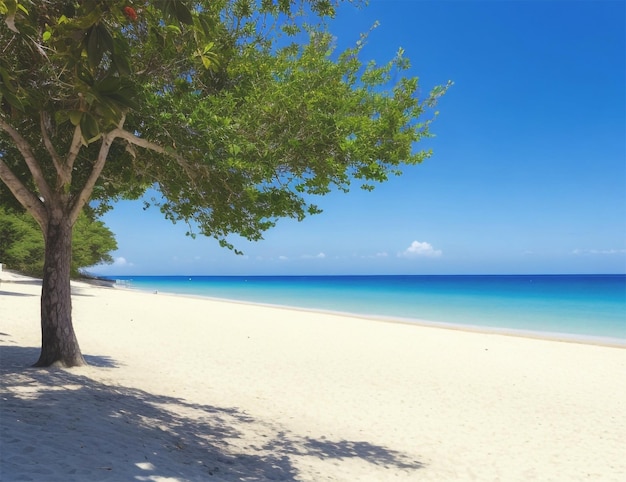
{"type": "Point", "coordinates": [188, 389]}
{"type": "Point", "coordinates": [607, 341]}
{"type": "Point", "coordinates": [613, 342]}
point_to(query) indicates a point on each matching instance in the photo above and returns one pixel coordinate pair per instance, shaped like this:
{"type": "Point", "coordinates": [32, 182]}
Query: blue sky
{"type": "Point", "coordinates": [529, 167]}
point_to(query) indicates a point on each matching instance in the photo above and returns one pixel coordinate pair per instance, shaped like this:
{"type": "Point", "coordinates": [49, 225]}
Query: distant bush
{"type": "Point", "coordinates": [22, 245]}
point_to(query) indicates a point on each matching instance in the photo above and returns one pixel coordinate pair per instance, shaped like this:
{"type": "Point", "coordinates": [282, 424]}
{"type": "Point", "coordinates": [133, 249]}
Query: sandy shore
{"type": "Point", "coordinates": [184, 389]}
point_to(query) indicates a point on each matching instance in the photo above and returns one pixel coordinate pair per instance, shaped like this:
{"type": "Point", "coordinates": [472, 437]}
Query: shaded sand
{"type": "Point", "coordinates": [186, 389]}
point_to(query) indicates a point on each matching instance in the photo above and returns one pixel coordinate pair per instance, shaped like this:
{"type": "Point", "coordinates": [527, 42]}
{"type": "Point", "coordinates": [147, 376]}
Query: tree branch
{"type": "Point", "coordinates": [64, 175]}
{"type": "Point", "coordinates": [26, 198]}
{"type": "Point", "coordinates": [138, 141]}
{"type": "Point", "coordinates": [29, 157]}
{"type": "Point", "coordinates": [107, 141]}
{"type": "Point", "coordinates": [74, 149]}
{"type": "Point", "coordinates": [85, 193]}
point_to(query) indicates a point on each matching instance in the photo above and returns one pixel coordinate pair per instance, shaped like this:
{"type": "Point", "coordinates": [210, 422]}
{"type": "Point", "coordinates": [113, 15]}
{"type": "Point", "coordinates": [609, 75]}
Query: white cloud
{"type": "Point", "coordinates": [374, 256]}
{"type": "Point", "coordinates": [598, 251]}
{"type": "Point", "coordinates": [420, 249]}
{"type": "Point", "coordinates": [316, 256]}
{"type": "Point", "coordinates": [121, 261]}
{"type": "Point", "coordinates": [283, 258]}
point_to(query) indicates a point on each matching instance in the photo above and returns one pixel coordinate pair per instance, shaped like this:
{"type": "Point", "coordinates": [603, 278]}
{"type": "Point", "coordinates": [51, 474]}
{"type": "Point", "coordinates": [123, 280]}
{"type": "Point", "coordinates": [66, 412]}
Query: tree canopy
{"type": "Point", "coordinates": [236, 111]}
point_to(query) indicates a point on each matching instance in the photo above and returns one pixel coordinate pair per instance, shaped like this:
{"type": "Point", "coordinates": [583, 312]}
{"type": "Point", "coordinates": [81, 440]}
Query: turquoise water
{"type": "Point", "coordinates": [577, 306]}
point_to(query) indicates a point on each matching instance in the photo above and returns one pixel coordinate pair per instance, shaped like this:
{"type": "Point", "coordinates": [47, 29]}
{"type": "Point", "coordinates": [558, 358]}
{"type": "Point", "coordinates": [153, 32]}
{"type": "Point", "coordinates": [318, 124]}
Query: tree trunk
{"type": "Point", "coordinates": [59, 345]}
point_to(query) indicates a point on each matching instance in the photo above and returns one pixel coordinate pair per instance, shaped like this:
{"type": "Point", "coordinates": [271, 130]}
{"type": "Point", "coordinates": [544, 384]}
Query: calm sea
{"type": "Point", "coordinates": [591, 307]}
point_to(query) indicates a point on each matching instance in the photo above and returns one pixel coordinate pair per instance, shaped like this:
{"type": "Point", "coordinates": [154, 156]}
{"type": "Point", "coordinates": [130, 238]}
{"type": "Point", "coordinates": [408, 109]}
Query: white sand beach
{"type": "Point", "coordinates": [188, 389]}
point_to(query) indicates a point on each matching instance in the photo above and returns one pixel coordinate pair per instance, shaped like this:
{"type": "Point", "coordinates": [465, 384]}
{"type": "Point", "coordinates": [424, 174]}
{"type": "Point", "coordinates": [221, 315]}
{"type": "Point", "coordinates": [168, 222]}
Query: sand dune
{"type": "Point", "coordinates": [188, 389]}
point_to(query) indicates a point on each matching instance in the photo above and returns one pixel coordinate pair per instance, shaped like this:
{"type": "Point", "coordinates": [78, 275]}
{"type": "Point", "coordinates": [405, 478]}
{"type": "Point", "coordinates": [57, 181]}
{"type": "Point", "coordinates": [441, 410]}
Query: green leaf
{"type": "Point", "coordinates": [183, 14]}
{"type": "Point", "coordinates": [75, 117]}
{"type": "Point", "coordinates": [108, 85]}
{"type": "Point", "coordinates": [125, 98]}
{"type": "Point", "coordinates": [106, 40]}
{"type": "Point", "coordinates": [46, 35]}
{"type": "Point", "coordinates": [13, 100]}
{"type": "Point", "coordinates": [89, 127]}
{"type": "Point", "coordinates": [121, 64]}
{"type": "Point", "coordinates": [94, 49]}
{"type": "Point", "coordinates": [99, 41]}
{"type": "Point", "coordinates": [7, 80]}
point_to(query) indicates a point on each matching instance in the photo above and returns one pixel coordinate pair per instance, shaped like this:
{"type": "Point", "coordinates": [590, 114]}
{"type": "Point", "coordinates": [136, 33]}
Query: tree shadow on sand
{"type": "Point", "coordinates": [10, 293]}
{"type": "Point", "coordinates": [62, 425]}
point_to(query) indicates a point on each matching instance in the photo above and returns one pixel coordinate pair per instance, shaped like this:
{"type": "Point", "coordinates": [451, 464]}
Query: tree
{"type": "Point", "coordinates": [237, 111]}
{"type": "Point", "coordinates": [22, 244]}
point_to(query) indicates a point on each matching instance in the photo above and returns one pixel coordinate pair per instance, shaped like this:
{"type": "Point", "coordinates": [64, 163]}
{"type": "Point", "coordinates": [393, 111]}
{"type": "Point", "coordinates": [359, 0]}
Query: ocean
{"type": "Point", "coordinates": [578, 307]}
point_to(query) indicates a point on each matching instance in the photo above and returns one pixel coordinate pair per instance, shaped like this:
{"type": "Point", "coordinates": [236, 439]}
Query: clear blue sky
{"type": "Point", "coordinates": [529, 167]}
